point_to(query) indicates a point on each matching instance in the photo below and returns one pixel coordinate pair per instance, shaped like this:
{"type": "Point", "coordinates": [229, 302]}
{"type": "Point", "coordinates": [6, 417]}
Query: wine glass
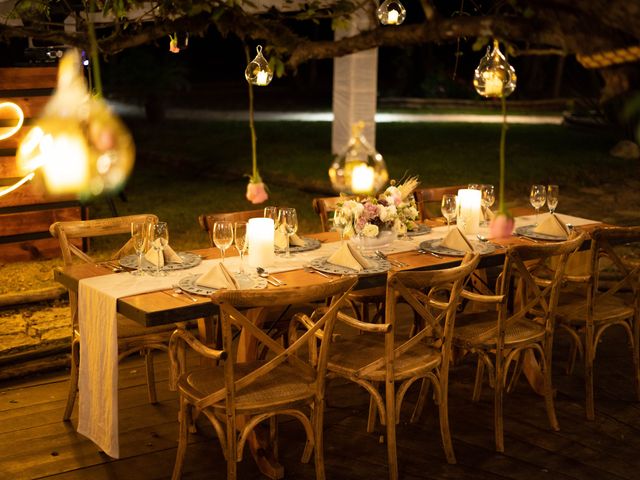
{"type": "Point", "coordinates": [271, 212]}
{"type": "Point", "coordinates": [222, 236]}
{"type": "Point", "coordinates": [537, 197]}
{"type": "Point", "coordinates": [159, 240]}
{"type": "Point", "coordinates": [448, 208]}
{"type": "Point", "coordinates": [474, 186]}
{"type": "Point", "coordinates": [288, 218]}
{"type": "Point", "coordinates": [488, 196]}
{"type": "Point", "coordinates": [553, 192]}
{"type": "Point", "coordinates": [139, 237]}
{"type": "Point", "coordinates": [240, 240]}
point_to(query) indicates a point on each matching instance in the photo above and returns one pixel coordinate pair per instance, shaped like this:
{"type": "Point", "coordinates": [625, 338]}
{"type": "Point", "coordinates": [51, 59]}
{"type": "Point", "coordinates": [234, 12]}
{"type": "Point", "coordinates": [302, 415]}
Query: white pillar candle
{"type": "Point", "coordinates": [392, 17]}
{"type": "Point", "coordinates": [469, 203]}
{"type": "Point", "coordinates": [262, 78]}
{"type": "Point", "coordinates": [260, 238]}
{"type": "Point", "coordinates": [362, 179]}
{"type": "Point", "coordinates": [492, 84]}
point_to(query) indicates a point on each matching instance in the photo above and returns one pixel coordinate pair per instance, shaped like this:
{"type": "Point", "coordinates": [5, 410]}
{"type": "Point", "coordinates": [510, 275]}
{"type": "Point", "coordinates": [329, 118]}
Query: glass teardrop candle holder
{"type": "Point", "coordinates": [391, 12]}
{"type": "Point", "coordinates": [258, 71]}
{"type": "Point", "coordinates": [494, 77]}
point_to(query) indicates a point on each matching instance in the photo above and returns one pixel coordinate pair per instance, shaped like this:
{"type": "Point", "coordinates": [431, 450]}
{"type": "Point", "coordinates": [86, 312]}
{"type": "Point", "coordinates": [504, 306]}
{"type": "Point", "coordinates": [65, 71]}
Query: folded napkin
{"type": "Point", "coordinates": [280, 239]}
{"type": "Point", "coordinates": [349, 257]}
{"type": "Point", "coordinates": [487, 214]}
{"type": "Point", "coordinates": [219, 278]}
{"type": "Point", "coordinates": [455, 240]}
{"type": "Point", "coordinates": [168, 256]}
{"type": "Point", "coordinates": [552, 225]}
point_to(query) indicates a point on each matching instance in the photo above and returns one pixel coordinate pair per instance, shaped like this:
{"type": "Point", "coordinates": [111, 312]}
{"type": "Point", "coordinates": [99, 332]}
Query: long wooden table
{"type": "Point", "coordinates": [163, 307]}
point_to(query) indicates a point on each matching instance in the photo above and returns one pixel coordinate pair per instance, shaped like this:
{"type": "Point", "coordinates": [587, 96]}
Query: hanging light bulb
{"type": "Point", "coordinates": [258, 71]}
{"type": "Point", "coordinates": [78, 144]}
{"type": "Point", "coordinates": [391, 12]}
{"type": "Point", "coordinates": [360, 169]}
{"type": "Point", "coordinates": [494, 77]}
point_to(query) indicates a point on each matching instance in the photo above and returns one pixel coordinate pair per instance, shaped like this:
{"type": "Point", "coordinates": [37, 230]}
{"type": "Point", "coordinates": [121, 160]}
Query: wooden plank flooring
{"type": "Point", "coordinates": [35, 443]}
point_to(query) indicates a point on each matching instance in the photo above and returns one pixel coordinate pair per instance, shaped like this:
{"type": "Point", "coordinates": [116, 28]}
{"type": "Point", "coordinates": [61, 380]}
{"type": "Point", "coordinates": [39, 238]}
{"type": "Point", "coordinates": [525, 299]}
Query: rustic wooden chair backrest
{"type": "Point", "coordinates": [206, 220]}
{"type": "Point", "coordinates": [85, 229]}
{"type": "Point", "coordinates": [428, 199]}
{"type": "Point", "coordinates": [620, 274]}
{"type": "Point", "coordinates": [325, 206]}
{"type": "Point", "coordinates": [231, 301]}
{"type": "Point", "coordinates": [537, 297]}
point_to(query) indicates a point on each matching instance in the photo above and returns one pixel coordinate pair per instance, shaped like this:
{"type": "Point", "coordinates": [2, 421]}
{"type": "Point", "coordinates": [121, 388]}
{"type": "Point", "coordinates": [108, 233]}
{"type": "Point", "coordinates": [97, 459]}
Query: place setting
{"type": "Point", "coordinates": [551, 228]}
{"type": "Point", "coordinates": [286, 239]}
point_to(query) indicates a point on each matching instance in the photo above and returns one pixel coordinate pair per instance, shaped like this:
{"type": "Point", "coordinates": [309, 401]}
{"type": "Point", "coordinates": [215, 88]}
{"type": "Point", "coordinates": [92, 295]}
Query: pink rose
{"type": "Point", "coordinates": [256, 192]}
{"type": "Point", "coordinates": [501, 226]}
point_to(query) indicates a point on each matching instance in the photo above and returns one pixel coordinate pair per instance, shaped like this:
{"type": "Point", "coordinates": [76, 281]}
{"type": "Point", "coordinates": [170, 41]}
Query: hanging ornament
{"type": "Point", "coordinates": [360, 169]}
{"type": "Point", "coordinates": [178, 41]}
{"type": "Point", "coordinates": [494, 77]}
{"type": "Point", "coordinates": [78, 144]}
{"type": "Point", "coordinates": [391, 12]}
{"type": "Point", "coordinates": [258, 71]}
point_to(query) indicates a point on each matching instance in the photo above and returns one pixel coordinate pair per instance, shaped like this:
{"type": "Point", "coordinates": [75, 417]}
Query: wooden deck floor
{"type": "Point", "coordinates": [35, 443]}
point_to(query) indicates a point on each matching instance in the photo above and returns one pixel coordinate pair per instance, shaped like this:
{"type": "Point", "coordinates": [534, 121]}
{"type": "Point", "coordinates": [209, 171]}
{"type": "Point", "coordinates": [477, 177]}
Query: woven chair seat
{"type": "Point", "coordinates": [372, 294]}
{"type": "Point", "coordinates": [607, 310]}
{"type": "Point", "coordinates": [350, 355]}
{"type": "Point", "coordinates": [470, 327]}
{"type": "Point", "coordinates": [282, 386]}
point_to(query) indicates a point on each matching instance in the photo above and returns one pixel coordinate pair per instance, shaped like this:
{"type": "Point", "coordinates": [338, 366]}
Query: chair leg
{"type": "Point", "coordinates": [497, 408]}
{"type": "Point", "coordinates": [422, 399]}
{"type": "Point", "coordinates": [151, 375]}
{"type": "Point", "coordinates": [73, 380]}
{"type": "Point", "coordinates": [445, 432]}
{"type": "Point", "coordinates": [392, 451]}
{"type": "Point", "coordinates": [548, 389]}
{"type": "Point", "coordinates": [232, 448]}
{"type": "Point", "coordinates": [273, 434]}
{"type": "Point", "coordinates": [318, 418]}
{"type": "Point", "coordinates": [184, 419]}
{"type": "Point", "coordinates": [589, 355]}
{"type": "Point", "coordinates": [517, 371]}
{"type": "Point", "coordinates": [477, 387]}
{"type": "Point", "coordinates": [373, 414]}
{"type": "Point", "coordinates": [636, 354]}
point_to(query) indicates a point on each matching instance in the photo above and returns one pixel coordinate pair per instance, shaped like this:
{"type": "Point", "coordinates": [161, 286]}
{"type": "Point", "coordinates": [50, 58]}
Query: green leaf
{"type": "Point", "coordinates": [480, 43]}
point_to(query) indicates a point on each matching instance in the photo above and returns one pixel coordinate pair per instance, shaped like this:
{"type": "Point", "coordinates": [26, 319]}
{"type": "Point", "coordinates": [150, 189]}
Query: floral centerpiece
{"type": "Point", "coordinates": [393, 211]}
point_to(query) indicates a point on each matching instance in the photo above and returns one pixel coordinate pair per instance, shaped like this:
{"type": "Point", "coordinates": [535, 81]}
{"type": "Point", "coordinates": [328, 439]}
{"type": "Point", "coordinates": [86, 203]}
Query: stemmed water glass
{"type": "Point", "coordinates": [222, 235]}
{"type": "Point", "coordinates": [159, 240]}
{"type": "Point", "coordinates": [488, 196]}
{"type": "Point", "coordinates": [537, 197]}
{"type": "Point", "coordinates": [553, 192]}
{"type": "Point", "coordinates": [240, 240]}
{"type": "Point", "coordinates": [448, 208]}
{"type": "Point", "coordinates": [288, 218]}
{"type": "Point", "coordinates": [139, 237]}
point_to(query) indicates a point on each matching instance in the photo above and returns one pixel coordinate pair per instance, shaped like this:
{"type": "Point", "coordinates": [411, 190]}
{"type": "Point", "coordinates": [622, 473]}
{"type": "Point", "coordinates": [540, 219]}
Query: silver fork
{"type": "Point", "coordinates": [383, 256]}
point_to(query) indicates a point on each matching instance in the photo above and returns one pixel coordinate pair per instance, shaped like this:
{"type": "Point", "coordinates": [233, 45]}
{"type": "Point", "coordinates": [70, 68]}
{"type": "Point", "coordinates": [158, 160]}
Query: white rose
{"type": "Point", "coordinates": [399, 227]}
{"type": "Point", "coordinates": [370, 230]}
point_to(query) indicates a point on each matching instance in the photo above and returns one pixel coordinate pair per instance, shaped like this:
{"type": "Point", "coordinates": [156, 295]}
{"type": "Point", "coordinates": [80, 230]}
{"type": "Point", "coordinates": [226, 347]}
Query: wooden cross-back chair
{"type": "Point", "coordinates": [132, 337]}
{"type": "Point", "coordinates": [282, 385]}
{"type": "Point", "coordinates": [608, 295]}
{"type": "Point", "coordinates": [499, 336]}
{"type": "Point", "coordinates": [428, 199]}
{"type": "Point", "coordinates": [381, 355]}
{"type": "Point", "coordinates": [206, 220]}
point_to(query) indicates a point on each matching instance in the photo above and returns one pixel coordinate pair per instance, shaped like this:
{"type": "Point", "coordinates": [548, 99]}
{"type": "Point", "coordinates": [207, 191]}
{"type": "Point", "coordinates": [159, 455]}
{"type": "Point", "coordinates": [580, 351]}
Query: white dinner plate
{"type": "Point", "coordinates": [528, 231]}
{"type": "Point", "coordinates": [246, 281]}
{"type": "Point", "coordinates": [436, 247]}
{"type": "Point", "coordinates": [379, 266]}
{"type": "Point", "coordinates": [309, 244]}
{"type": "Point", "coordinates": [189, 260]}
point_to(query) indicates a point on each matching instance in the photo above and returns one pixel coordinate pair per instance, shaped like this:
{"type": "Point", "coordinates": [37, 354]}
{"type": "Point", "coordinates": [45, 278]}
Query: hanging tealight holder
{"type": "Point", "coordinates": [494, 77]}
{"type": "Point", "coordinates": [391, 12]}
{"type": "Point", "coordinates": [360, 169]}
{"type": "Point", "coordinates": [258, 71]}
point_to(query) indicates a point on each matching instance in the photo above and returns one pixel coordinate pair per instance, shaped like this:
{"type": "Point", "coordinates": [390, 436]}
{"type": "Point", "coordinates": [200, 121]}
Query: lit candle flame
{"type": "Point", "coordinates": [362, 178]}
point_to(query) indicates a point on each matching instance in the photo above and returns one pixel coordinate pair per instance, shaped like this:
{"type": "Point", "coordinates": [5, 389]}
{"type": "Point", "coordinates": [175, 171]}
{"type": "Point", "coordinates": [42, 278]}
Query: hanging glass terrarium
{"type": "Point", "coordinates": [78, 144]}
{"type": "Point", "coordinates": [258, 71]}
{"type": "Point", "coordinates": [360, 169]}
{"type": "Point", "coordinates": [391, 12]}
{"type": "Point", "coordinates": [494, 77]}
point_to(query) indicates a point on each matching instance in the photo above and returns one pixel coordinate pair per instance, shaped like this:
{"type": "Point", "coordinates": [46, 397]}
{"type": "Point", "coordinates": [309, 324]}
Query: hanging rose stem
{"type": "Point", "coordinates": [503, 141]}
{"type": "Point", "coordinates": [93, 51]}
{"type": "Point", "coordinates": [255, 176]}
